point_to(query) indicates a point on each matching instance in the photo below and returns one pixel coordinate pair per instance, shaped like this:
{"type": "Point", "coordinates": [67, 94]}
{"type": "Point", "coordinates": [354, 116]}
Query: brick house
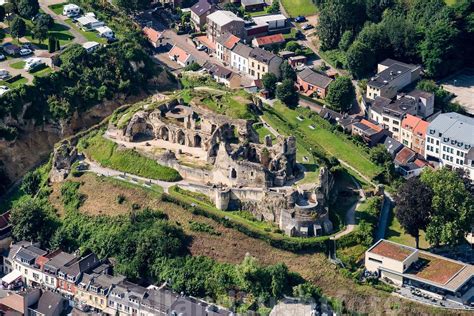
{"type": "Point", "coordinates": [309, 83]}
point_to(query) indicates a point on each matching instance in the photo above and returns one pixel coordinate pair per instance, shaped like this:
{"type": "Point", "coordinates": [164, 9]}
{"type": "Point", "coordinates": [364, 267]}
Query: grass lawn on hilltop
{"type": "Point", "coordinates": [299, 7]}
{"type": "Point", "coordinates": [109, 155]}
{"type": "Point", "coordinates": [450, 2]}
{"type": "Point", "coordinates": [332, 143]}
{"type": "Point", "coordinates": [58, 31]}
{"type": "Point", "coordinates": [19, 82]}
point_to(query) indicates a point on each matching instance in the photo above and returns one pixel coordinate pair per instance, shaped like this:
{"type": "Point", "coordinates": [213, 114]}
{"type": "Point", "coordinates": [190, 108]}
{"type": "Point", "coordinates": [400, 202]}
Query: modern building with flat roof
{"type": "Point", "coordinates": [406, 266]}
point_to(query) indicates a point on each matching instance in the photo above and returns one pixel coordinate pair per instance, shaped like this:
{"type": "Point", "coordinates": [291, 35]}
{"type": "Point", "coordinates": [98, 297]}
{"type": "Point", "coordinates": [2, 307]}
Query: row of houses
{"type": "Point", "coordinates": [88, 283]}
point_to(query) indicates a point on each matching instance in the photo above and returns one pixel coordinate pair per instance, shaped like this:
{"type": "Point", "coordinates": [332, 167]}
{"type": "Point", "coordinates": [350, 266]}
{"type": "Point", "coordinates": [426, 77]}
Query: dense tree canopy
{"type": "Point", "coordinates": [287, 94]}
{"type": "Point", "coordinates": [33, 220]}
{"type": "Point", "coordinates": [17, 28]}
{"type": "Point", "coordinates": [27, 8]}
{"type": "Point", "coordinates": [453, 207]}
{"type": "Point", "coordinates": [341, 93]}
{"type": "Point", "coordinates": [429, 32]}
{"type": "Point", "coordinates": [269, 81]}
{"type": "Point", "coordinates": [414, 207]}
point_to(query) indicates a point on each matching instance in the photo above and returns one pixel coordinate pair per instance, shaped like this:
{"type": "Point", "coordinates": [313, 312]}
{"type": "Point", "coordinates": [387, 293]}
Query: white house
{"type": "Point", "coordinates": [71, 10]}
{"type": "Point", "coordinates": [450, 141]}
{"type": "Point", "coordinates": [105, 31]}
{"type": "Point", "coordinates": [239, 58]}
{"type": "Point", "coordinates": [91, 46]}
{"type": "Point", "coordinates": [180, 56]}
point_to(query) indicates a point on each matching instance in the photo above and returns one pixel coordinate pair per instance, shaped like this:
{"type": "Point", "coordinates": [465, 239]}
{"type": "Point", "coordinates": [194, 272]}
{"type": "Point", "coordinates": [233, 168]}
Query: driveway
{"type": "Point", "coordinates": [59, 18]}
{"type": "Point", "coordinates": [13, 72]}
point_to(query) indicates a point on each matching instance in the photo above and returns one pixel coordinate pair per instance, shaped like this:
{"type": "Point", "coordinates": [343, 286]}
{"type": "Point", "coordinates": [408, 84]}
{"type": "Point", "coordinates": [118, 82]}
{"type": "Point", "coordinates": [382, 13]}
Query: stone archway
{"type": "Point", "coordinates": [197, 141]}
{"type": "Point", "coordinates": [180, 137]}
{"type": "Point", "coordinates": [164, 133]}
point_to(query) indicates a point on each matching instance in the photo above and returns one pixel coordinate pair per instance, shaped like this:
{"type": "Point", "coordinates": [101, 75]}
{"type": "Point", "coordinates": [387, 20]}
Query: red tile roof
{"type": "Point", "coordinates": [152, 34]}
{"type": "Point", "coordinates": [373, 126]}
{"type": "Point", "coordinates": [204, 40]}
{"type": "Point", "coordinates": [231, 41]}
{"type": "Point", "coordinates": [410, 122]}
{"type": "Point", "coordinates": [270, 39]}
{"type": "Point", "coordinates": [420, 129]}
{"type": "Point", "coordinates": [404, 156]}
{"type": "Point", "coordinates": [180, 54]}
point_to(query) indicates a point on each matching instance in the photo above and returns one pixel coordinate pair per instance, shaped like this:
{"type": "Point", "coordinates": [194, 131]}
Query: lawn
{"type": "Point", "coordinates": [57, 8]}
{"type": "Point", "coordinates": [320, 137]}
{"type": "Point", "coordinates": [450, 2]}
{"type": "Point", "coordinates": [109, 155]}
{"type": "Point", "coordinates": [18, 65]}
{"type": "Point", "coordinates": [262, 131]}
{"type": "Point", "coordinates": [89, 35]}
{"type": "Point", "coordinates": [58, 31]}
{"type": "Point", "coordinates": [42, 71]}
{"type": "Point", "coordinates": [299, 7]}
{"type": "Point", "coordinates": [396, 233]}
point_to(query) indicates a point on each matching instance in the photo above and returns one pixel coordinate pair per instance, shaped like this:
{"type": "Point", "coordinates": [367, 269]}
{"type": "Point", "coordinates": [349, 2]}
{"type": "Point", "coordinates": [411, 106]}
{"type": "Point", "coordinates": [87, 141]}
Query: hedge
{"type": "Point", "coordinates": [294, 244]}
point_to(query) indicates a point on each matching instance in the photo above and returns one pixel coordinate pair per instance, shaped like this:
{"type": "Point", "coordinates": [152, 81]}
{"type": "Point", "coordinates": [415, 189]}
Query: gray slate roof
{"type": "Point", "coordinates": [251, 2]}
{"type": "Point", "coordinates": [242, 50]}
{"type": "Point", "coordinates": [48, 302]}
{"type": "Point", "coordinates": [314, 78]}
{"type": "Point", "coordinates": [201, 7]}
{"type": "Point", "coordinates": [453, 127]}
{"type": "Point", "coordinates": [264, 56]}
{"type": "Point", "coordinates": [392, 145]}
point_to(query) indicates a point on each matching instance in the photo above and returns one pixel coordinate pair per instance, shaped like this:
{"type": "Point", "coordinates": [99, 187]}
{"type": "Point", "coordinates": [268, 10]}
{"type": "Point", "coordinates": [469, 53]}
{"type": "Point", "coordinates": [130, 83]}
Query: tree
{"type": "Point", "coordinates": [133, 5]}
{"type": "Point", "coordinates": [360, 59]}
{"type": "Point", "coordinates": [31, 182]}
{"type": "Point", "coordinates": [2, 13]}
{"type": "Point", "coordinates": [33, 220]}
{"type": "Point", "coordinates": [375, 8]}
{"type": "Point", "coordinates": [336, 17]}
{"type": "Point", "coordinates": [274, 7]}
{"type": "Point", "coordinates": [413, 209]}
{"type": "Point", "coordinates": [287, 94]}
{"type": "Point", "coordinates": [269, 81]}
{"type": "Point", "coordinates": [453, 207]}
{"type": "Point", "coordinates": [40, 32]}
{"type": "Point", "coordinates": [380, 155]}
{"type": "Point", "coordinates": [292, 46]}
{"type": "Point", "coordinates": [44, 20]}
{"type": "Point", "coordinates": [341, 93]}
{"type": "Point", "coordinates": [346, 40]}
{"type": "Point", "coordinates": [287, 72]}
{"type": "Point", "coordinates": [27, 8]}
{"type": "Point", "coordinates": [17, 28]}
{"type": "Point", "coordinates": [437, 49]}
{"type": "Point", "coordinates": [194, 66]}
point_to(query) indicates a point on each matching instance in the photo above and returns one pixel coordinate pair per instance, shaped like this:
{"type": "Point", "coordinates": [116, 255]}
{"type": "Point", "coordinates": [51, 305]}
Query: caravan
{"type": "Point", "coordinates": [71, 10]}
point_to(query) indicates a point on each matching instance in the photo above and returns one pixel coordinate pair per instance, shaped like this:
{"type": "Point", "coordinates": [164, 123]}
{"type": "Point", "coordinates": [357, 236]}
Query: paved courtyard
{"type": "Point", "coordinates": [462, 85]}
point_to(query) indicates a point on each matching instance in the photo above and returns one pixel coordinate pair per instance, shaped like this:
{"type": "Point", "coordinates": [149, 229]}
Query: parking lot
{"type": "Point", "coordinates": [462, 85]}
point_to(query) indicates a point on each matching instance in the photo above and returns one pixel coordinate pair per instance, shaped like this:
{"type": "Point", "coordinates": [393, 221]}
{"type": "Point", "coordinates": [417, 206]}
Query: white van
{"type": "Point", "coordinates": [71, 10]}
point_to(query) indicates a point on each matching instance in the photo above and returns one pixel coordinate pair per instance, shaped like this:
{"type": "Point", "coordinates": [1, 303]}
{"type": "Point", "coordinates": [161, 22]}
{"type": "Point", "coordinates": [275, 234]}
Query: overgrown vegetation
{"type": "Point", "coordinates": [429, 32]}
{"type": "Point", "coordinates": [108, 154]}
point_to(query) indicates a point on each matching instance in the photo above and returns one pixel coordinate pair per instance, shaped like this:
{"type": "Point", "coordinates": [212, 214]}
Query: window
{"type": "Point", "coordinates": [375, 260]}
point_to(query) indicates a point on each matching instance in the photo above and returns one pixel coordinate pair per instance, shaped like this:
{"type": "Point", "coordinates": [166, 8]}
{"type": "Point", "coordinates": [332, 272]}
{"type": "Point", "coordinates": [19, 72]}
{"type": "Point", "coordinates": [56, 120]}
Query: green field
{"type": "Point", "coordinates": [321, 136]}
{"type": "Point", "coordinates": [450, 2]}
{"type": "Point", "coordinates": [299, 7]}
{"type": "Point", "coordinates": [42, 71]}
{"type": "Point", "coordinates": [109, 155]}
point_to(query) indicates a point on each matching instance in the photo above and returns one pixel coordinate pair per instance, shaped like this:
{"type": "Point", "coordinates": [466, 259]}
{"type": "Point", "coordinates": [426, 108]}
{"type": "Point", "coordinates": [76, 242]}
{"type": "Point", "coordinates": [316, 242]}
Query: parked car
{"type": "Point", "coordinates": [25, 52]}
{"type": "Point", "coordinates": [201, 47]}
{"type": "Point", "coordinates": [307, 27]}
{"type": "Point", "coordinates": [4, 74]}
{"type": "Point", "coordinates": [300, 19]}
{"type": "Point", "coordinates": [32, 63]}
{"type": "Point", "coordinates": [3, 90]}
{"type": "Point", "coordinates": [2, 57]}
{"type": "Point", "coordinates": [28, 46]}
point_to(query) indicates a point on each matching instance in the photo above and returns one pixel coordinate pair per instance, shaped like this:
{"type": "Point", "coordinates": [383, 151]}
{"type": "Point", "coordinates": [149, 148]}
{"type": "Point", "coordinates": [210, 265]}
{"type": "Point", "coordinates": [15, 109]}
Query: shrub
{"type": "Point", "coordinates": [121, 198]}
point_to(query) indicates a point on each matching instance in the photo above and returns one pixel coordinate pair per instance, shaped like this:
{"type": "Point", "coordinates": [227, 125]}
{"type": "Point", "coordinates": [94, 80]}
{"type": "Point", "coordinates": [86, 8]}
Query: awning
{"type": "Point", "coordinates": [11, 277]}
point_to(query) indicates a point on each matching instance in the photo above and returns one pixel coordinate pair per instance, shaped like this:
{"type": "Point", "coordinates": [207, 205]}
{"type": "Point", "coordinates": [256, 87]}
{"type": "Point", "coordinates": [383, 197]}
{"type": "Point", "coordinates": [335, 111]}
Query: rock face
{"type": "Point", "coordinates": [63, 158]}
